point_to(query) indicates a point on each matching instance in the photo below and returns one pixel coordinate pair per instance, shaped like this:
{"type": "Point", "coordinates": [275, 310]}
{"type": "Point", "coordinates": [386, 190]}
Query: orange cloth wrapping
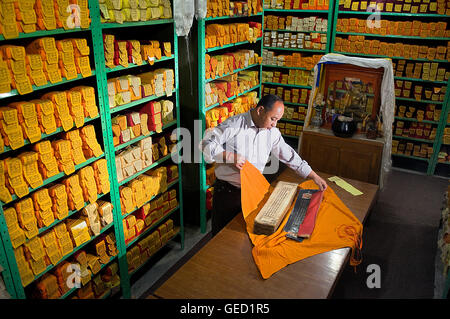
{"type": "Point", "coordinates": [336, 226]}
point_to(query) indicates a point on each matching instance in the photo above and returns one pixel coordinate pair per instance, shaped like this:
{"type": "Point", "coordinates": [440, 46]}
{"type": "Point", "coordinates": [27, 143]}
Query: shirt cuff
{"type": "Point", "coordinates": [304, 170]}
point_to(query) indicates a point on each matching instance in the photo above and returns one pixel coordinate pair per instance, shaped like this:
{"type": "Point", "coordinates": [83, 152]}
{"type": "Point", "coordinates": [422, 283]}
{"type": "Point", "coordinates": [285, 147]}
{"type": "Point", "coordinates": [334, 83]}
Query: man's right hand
{"type": "Point", "coordinates": [235, 158]}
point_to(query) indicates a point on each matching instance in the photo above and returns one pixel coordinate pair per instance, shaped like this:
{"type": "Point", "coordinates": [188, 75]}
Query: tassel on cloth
{"type": "Point", "coordinates": [350, 232]}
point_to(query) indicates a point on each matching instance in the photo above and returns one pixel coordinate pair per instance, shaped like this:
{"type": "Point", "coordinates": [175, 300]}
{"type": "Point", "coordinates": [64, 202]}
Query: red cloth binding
{"type": "Point", "coordinates": [307, 227]}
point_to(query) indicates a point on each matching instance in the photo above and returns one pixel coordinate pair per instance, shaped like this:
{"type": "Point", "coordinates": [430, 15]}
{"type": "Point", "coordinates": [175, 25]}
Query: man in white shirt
{"type": "Point", "coordinates": [251, 136]}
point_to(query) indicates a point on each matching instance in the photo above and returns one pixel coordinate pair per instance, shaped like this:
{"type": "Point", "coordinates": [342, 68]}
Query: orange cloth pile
{"type": "Point", "coordinates": [336, 226]}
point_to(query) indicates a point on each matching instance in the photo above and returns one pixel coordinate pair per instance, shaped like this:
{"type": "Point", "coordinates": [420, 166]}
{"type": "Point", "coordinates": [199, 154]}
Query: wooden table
{"type": "Point", "coordinates": [224, 267]}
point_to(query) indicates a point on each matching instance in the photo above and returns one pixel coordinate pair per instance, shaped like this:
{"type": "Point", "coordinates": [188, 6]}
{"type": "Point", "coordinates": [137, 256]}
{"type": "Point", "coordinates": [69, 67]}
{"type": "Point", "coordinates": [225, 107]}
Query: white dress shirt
{"type": "Point", "coordinates": [238, 134]}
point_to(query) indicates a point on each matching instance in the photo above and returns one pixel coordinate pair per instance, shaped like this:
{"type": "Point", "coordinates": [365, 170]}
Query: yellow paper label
{"type": "Point", "coordinates": [343, 184]}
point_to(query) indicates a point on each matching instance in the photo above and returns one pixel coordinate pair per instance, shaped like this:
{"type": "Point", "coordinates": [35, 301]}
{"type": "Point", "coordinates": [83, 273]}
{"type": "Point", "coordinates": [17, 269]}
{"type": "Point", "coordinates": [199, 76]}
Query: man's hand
{"type": "Point", "coordinates": [318, 180]}
{"type": "Point", "coordinates": [235, 158]}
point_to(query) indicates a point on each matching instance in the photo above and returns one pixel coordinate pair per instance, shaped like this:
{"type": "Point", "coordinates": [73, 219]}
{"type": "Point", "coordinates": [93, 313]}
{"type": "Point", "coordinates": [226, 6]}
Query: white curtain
{"type": "Point", "coordinates": [184, 12]}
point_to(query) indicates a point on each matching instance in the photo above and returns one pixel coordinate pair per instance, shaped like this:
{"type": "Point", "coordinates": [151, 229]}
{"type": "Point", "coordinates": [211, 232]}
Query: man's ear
{"type": "Point", "coordinates": [259, 109]}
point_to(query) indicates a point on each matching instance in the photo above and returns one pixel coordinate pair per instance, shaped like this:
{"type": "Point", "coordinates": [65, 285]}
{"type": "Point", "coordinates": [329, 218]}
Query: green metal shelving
{"type": "Point", "coordinates": [99, 73]}
{"type": "Point", "coordinates": [292, 121]}
{"type": "Point", "coordinates": [70, 213]}
{"type": "Point", "coordinates": [295, 50]}
{"type": "Point", "coordinates": [283, 67]}
{"type": "Point", "coordinates": [5, 273]}
{"type": "Point", "coordinates": [231, 45]}
{"type": "Point", "coordinates": [440, 132]}
{"type": "Point", "coordinates": [289, 85]}
{"type": "Point", "coordinates": [235, 71]}
{"type": "Point", "coordinates": [412, 157]}
{"type": "Point", "coordinates": [46, 86]}
{"type": "Point", "coordinates": [132, 272]}
{"type": "Point", "coordinates": [75, 249]}
{"type": "Point", "coordinates": [418, 80]}
{"type": "Point", "coordinates": [233, 97]}
{"type": "Point", "coordinates": [298, 13]}
{"type": "Point", "coordinates": [294, 31]}
{"type": "Point", "coordinates": [128, 179]}
{"type": "Point", "coordinates": [415, 120]}
{"type": "Point", "coordinates": [7, 258]}
{"type": "Point", "coordinates": [201, 77]}
{"type": "Point", "coordinates": [11, 270]}
{"type": "Point", "coordinates": [101, 79]}
{"type": "Point", "coordinates": [43, 135]}
{"type": "Point", "coordinates": [110, 149]}
{"type": "Point", "coordinates": [57, 177]}
{"type": "Point", "coordinates": [397, 14]}
{"type": "Point", "coordinates": [232, 17]}
{"type": "Point", "coordinates": [418, 101]}
{"type": "Point", "coordinates": [388, 57]}
{"type": "Point", "coordinates": [135, 24]}
{"type": "Point", "coordinates": [137, 102]}
{"type": "Point", "coordinates": [152, 227]}
{"type": "Point", "coordinates": [392, 36]}
{"type": "Point", "coordinates": [201, 32]}
{"type": "Point", "coordinates": [140, 137]}
{"type": "Point", "coordinates": [48, 33]}
{"type": "Point", "coordinates": [430, 163]}
{"type": "Point", "coordinates": [133, 65]}
{"type": "Point", "coordinates": [136, 209]}
{"type": "Point", "coordinates": [295, 104]}
{"type": "Point", "coordinates": [413, 139]}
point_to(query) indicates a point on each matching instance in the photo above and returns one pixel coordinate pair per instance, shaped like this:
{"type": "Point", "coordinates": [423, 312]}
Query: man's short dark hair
{"type": "Point", "coordinates": [267, 101]}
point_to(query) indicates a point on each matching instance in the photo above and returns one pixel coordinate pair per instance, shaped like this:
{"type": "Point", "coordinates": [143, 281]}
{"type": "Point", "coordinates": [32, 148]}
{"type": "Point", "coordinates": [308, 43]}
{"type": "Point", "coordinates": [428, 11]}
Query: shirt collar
{"type": "Point", "coordinates": [250, 120]}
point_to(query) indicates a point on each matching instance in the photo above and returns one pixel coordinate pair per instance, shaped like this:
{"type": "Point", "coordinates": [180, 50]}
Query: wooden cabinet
{"type": "Point", "coordinates": [353, 158]}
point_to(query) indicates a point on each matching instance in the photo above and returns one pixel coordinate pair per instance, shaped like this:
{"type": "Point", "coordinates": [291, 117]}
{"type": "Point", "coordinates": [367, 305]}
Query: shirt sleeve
{"type": "Point", "coordinates": [287, 155]}
{"type": "Point", "coordinates": [212, 145]}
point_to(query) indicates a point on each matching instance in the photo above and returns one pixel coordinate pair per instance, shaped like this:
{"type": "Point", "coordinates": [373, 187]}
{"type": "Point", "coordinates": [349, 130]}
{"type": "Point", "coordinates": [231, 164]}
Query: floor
{"type": "Point", "coordinates": [400, 237]}
{"type": "Point", "coordinates": [173, 257]}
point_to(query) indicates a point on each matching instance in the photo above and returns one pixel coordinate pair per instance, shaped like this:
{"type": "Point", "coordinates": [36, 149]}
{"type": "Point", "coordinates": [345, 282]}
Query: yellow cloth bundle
{"type": "Point", "coordinates": [335, 227]}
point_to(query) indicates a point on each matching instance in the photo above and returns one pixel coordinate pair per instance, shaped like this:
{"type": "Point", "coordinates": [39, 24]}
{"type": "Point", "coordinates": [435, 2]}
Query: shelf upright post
{"type": "Point", "coordinates": [333, 19]}
{"type": "Point", "coordinates": [11, 265]}
{"type": "Point", "coordinates": [102, 92]}
{"type": "Point", "coordinates": [440, 131]}
{"type": "Point", "coordinates": [331, 26]}
{"type": "Point", "coordinates": [262, 48]}
{"type": "Point", "coordinates": [178, 132]}
{"type": "Point", "coordinates": [6, 273]}
{"type": "Point", "coordinates": [201, 104]}
{"type": "Point", "coordinates": [446, 291]}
